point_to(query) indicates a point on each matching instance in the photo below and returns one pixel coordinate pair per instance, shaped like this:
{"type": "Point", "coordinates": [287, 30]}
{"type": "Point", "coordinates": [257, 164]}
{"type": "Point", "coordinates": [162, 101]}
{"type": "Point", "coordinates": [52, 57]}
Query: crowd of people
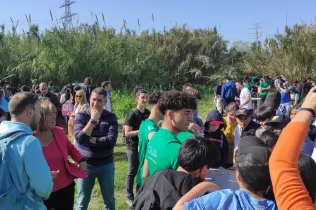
{"type": "Point", "coordinates": [264, 130]}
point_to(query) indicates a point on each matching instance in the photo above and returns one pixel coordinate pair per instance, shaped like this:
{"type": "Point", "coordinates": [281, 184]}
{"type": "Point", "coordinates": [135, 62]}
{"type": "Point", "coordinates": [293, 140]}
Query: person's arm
{"type": "Point", "coordinates": [37, 170]}
{"type": "Point", "coordinates": [83, 130]}
{"type": "Point", "coordinates": [128, 130]}
{"type": "Point", "coordinates": [145, 170]}
{"type": "Point", "coordinates": [72, 151]}
{"type": "Point", "coordinates": [196, 192]}
{"type": "Point", "coordinates": [110, 139]}
{"type": "Point", "coordinates": [288, 187]}
{"type": "Point", "coordinates": [222, 91]}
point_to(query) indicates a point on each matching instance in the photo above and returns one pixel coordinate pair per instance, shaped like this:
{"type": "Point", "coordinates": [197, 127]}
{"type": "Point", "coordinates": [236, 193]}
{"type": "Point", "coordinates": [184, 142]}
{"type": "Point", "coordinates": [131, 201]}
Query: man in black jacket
{"type": "Point", "coordinates": [165, 188]}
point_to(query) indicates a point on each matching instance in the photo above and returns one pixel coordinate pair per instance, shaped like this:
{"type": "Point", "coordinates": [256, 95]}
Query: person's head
{"type": "Point", "coordinates": [265, 78]}
{"type": "Point", "coordinates": [219, 82]}
{"type": "Point", "coordinates": [196, 155]}
{"type": "Point", "coordinates": [307, 168]}
{"type": "Point", "coordinates": [273, 99]}
{"type": "Point", "coordinates": [153, 102]}
{"type": "Point", "coordinates": [141, 97]}
{"type": "Point", "coordinates": [25, 108]}
{"type": "Point", "coordinates": [239, 85]}
{"type": "Point", "coordinates": [43, 88]}
{"type": "Point", "coordinates": [252, 171]}
{"type": "Point", "coordinates": [194, 93]}
{"type": "Point", "coordinates": [246, 80]}
{"type": "Point", "coordinates": [3, 115]}
{"type": "Point", "coordinates": [25, 88]}
{"type": "Point", "coordinates": [76, 88]}
{"type": "Point", "coordinates": [231, 110]}
{"type": "Point", "coordinates": [270, 138]}
{"type": "Point", "coordinates": [98, 99]}
{"type": "Point", "coordinates": [80, 97]}
{"type": "Point", "coordinates": [48, 117]}
{"type": "Point", "coordinates": [243, 117]}
{"type": "Point", "coordinates": [8, 89]}
{"type": "Point", "coordinates": [264, 114]}
{"type": "Point", "coordinates": [214, 121]}
{"type": "Point", "coordinates": [107, 85]}
{"type": "Point", "coordinates": [178, 108]}
{"type": "Point", "coordinates": [187, 86]}
{"type": "Point", "coordinates": [87, 81]}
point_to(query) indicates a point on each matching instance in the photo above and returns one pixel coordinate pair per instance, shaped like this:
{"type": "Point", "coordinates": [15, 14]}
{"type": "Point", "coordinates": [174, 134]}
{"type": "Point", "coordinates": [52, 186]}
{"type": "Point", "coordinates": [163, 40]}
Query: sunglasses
{"type": "Point", "coordinates": [78, 96]}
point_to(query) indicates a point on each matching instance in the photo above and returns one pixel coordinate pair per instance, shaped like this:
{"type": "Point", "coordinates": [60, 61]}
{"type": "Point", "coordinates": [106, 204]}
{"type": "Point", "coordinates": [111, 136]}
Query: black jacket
{"type": "Point", "coordinates": [163, 190]}
{"type": "Point", "coordinates": [250, 130]}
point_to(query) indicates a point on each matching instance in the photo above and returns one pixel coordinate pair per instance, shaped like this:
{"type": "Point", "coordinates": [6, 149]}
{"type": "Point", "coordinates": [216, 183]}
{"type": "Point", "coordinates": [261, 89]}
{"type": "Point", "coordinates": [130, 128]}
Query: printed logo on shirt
{"type": "Point", "coordinates": [150, 128]}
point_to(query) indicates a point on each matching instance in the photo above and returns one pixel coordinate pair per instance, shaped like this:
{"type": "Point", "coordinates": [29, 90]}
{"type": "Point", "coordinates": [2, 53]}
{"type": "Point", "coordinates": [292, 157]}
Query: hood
{"type": "Point", "coordinates": [9, 127]}
{"type": "Point", "coordinates": [181, 181]}
{"type": "Point", "coordinates": [213, 116]}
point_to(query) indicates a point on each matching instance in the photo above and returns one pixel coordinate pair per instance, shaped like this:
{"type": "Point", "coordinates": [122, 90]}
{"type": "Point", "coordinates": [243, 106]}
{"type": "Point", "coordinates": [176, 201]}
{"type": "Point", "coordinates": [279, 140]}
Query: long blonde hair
{"type": "Point", "coordinates": [81, 92]}
{"type": "Point", "coordinates": [46, 108]}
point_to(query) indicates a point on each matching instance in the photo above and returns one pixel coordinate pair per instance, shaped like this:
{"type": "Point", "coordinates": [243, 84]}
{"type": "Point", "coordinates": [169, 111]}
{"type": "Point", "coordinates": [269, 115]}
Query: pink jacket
{"type": "Point", "coordinates": [68, 149]}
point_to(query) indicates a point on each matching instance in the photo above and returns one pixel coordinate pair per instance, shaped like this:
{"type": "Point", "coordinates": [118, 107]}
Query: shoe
{"type": "Point", "coordinates": [129, 202]}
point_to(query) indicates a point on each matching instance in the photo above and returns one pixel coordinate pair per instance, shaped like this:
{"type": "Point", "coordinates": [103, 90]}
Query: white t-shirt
{"type": "Point", "coordinates": [245, 92]}
{"type": "Point", "coordinates": [108, 106]}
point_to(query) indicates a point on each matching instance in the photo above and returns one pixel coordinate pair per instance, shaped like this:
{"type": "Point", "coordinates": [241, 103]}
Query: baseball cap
{"type": "Point", "coordinates": [242, 112]}
{"type": "Point", "coordinates": [253, 159]}
{"type": "Point", "coordinates": [216, 122]}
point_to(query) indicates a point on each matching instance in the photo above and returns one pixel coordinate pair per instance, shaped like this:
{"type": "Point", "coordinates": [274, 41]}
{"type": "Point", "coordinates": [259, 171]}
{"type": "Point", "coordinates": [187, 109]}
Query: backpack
{"type": "Point", "coordinates": [134, 110]}
{"type": "Point", "coordinates": [10, 197]}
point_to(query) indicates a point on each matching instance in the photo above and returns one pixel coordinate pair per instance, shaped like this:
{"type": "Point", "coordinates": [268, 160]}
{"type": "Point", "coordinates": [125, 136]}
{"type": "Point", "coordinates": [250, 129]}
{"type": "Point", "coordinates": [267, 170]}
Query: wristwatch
{"type": "Point", "coordinates": [93, 122]}
{"type": "Point", "coordinates": [309, 110]}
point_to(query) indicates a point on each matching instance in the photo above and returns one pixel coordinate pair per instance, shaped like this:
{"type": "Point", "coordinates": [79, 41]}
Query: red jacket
{"type": "Point", "coordinates": [68, 149]}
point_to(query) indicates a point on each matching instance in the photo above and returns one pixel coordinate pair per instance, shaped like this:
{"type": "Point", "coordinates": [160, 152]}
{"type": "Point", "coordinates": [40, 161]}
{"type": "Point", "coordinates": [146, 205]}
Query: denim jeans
{"type": "Point", "coordinates": [105, 176]}
{"type": "Point", "coordinates": [133, 164]}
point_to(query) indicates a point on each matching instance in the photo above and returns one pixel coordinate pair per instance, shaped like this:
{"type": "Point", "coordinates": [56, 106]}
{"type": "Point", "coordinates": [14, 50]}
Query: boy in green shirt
{"type": "Point", "coordinates": [265, 86]}
{"type": "Point", "coordinates": [162, 150]}
{"type": "Point", "coordinates": [146, 131]}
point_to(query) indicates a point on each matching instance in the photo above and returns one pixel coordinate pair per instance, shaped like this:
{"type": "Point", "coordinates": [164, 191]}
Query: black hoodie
{"type": "Point", "coordinates": [216, 137]}
{"type": "Point", "coordinates": [164, 189]}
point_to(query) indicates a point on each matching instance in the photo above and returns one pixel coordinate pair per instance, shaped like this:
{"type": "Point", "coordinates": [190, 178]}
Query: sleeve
{"type": "Point", "coordinates": [261, 84]}
{"type": "Point", "coordinates": [288, 187]}
{"type": "Point", "coordinates": [110, 139]}
{"type": "Point", "coordinates": [80, 123]}
{"type": "Point", "coordinates": [56, 102]}
{"type": "Point", "coordinates": [209, 201]}
{"type": "Point", "coordinates": [173, 150]}
{"type": "Point", "coordinates": [222, 91]}
{"type": "Point", "coordinates": [72, 151]}
{"type": "Point", "coordinates": [129, 121]}
{"type": "Point", "coordinates": [37, 170]}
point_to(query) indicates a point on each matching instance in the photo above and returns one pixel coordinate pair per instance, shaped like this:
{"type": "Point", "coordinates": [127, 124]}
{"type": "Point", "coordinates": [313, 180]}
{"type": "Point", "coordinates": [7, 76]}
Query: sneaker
{"type": "Point", "coordinates": [129, 202]}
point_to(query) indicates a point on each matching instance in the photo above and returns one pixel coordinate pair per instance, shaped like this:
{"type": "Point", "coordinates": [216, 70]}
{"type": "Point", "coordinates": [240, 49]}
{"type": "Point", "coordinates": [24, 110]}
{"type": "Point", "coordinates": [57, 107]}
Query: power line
{"type": "Point", "coordinates": [67, 18]}
{"type": "Point", "coordinates": [257, 31]}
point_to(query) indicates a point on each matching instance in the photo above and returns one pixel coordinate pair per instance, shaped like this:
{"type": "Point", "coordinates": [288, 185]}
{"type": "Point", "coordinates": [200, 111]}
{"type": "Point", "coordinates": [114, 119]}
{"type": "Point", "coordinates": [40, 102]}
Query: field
{"type": "Point", "coordinates": [96, 203]}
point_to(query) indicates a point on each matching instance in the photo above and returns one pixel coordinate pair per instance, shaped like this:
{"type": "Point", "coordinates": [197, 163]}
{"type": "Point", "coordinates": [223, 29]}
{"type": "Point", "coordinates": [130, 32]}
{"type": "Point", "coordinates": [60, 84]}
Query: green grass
{"type": "Point", "coordinates": [96, 202]}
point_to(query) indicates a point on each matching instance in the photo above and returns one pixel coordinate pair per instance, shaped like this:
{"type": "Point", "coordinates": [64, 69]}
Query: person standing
{"type": "Point", "coordinates": [264, 87]}
{"type": "Point", "coordinates": [27, 171]}
{"type": "Point", "coordinates": [88, 87]}
{"type": "Point", "coordinates": [107, 86]}
{"type": "Point", "coordinates": [244, 97]}
{"type": "Point", "coordinates": [56, 149]}
{"type": "Point", "coordinates": [131, 131]}
{"type": "Point", "coordinates": [96, 133]}
{"type": "Point", "coordinates": [229, 92]}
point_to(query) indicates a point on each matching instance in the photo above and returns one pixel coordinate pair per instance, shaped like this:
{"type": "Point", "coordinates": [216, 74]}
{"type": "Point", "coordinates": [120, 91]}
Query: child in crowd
{"type": "Point", "coordinates": [213, 125]}
{"type": "Point", "coordinates": [263, 115]}
{"type": "Point", "coordinates": [229, 129]}
{"type": "Point", "coordinates": [252, 174]}
{"type": "Point", "coordinates": [165, 188]}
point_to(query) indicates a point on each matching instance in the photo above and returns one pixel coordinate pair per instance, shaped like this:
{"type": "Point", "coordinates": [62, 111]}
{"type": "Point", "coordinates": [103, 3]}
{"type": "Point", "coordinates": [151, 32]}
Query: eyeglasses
{"type": "Point", "coordinates": [78, 96]}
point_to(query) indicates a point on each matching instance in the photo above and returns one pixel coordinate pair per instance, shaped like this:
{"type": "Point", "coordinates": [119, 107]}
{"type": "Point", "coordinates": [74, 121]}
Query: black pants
{"type": "Point", "coordinates": [133, 163]}
{"type": "Point", "coordinates": [62, 199]}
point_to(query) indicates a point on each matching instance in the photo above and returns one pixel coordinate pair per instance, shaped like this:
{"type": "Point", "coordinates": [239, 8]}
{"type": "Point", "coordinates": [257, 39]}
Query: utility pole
{"type": "Point", "coordinates": [67, 18]}
{"type": "Point", "coordinates": [257, 33]}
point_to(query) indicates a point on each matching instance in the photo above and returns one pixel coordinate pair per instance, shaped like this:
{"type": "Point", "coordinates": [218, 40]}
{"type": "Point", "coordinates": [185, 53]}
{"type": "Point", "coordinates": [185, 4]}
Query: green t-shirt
{"type": "Point", "coordinates": [264, 85]}
{"type": "Point", "coordinates": [182, 136]}
{"type": "Point", "coordinates": [146, 127]}
{"type": "Point", "coordinates": [247, 86]}
{"type": "Point", "coordinates": [162, 151]}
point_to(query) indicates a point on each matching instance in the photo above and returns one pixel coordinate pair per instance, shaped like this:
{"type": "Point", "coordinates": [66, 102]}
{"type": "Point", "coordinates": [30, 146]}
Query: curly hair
{"type": "Point", "coordinates": [154, 97]}
{"type": "Point", "coordinates": [176, 100]}
{"type": "Point", "coordinates": [194, 93]}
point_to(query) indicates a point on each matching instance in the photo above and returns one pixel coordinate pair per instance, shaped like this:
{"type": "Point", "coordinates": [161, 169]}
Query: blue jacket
{"type": "Point", "coordinates": [32, 172]}
{"type": "Point", "coordinates": [229, 91]}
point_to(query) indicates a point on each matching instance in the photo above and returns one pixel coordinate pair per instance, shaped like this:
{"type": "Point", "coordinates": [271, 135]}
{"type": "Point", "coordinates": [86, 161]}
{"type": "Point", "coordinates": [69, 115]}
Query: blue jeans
{"type": "Point", "coordinates": [105, 176]}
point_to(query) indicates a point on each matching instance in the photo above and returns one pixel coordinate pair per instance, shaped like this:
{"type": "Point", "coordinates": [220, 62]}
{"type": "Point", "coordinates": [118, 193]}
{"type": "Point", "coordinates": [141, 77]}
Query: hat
{"type": "Point", "coordinates": [242, 112]}
{"type": "Point", "coordinates": [253, 159]}
{"type": "Point", "coordinates": [216, 122]}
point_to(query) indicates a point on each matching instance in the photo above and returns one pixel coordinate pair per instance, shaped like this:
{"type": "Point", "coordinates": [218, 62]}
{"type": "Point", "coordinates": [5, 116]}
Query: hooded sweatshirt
{"type": "Point", "coordinates": [164, 189]}
{"type": "Point", "coordinates": [218, 137]}
{"type": "Point", "coordinates": [30, 172]}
